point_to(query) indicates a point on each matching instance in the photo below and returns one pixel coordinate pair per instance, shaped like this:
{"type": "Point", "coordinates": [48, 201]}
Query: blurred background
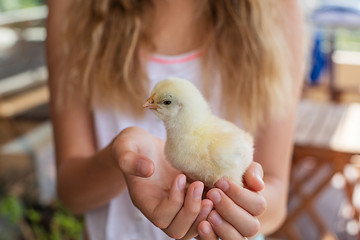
{"type": "Point", "coordinates": [324, 198]}
{"type": "Point", "coordinates": [28, 206]}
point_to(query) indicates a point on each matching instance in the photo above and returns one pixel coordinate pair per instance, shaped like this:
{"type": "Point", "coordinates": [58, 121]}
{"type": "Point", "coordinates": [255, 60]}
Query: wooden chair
{"type": "Point", "coordinates": [329, 133]}
{"type": "Point", "coordinates": [18, 94]}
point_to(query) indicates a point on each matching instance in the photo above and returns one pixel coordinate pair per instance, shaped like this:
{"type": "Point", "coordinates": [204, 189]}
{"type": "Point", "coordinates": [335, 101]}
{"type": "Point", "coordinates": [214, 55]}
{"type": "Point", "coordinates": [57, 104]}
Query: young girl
{"type": "Point", "coordinates": [246, 57]}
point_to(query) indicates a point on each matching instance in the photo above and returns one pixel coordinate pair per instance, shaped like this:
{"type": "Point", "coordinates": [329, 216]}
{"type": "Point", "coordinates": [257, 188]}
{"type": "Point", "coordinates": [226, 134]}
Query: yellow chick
{"type": "Point", "coordinates": [199, 144]}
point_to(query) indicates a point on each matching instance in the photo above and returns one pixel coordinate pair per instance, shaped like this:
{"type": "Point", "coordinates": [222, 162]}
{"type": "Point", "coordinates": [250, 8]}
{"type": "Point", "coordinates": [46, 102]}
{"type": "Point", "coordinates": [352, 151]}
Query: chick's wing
{"type": "Point", "coordinates": [231, 149]}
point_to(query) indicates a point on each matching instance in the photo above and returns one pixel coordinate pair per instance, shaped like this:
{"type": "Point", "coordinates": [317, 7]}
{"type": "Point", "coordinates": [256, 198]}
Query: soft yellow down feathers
{"type": "Point", "coordinates": [198, 143]}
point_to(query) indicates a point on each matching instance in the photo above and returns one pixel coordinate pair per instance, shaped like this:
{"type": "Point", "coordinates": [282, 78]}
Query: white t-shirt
{"type": "Point", "coordinates": [119, 219]}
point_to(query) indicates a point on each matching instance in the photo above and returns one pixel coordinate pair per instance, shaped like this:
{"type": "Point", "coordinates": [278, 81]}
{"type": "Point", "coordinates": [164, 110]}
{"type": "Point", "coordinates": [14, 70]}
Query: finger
{"type": "Point", "coordinates": [188, 213]}
{"type": "Point", "coordinates": [132, 163]}
{"type": "Point", "coordinates": [253, 177]}
{"type": "Point", "coordinates": [206, 207]}
{"type": "Point", "coordinates": [222, 228]}
{"type": "Point", "coordinates": [126, 153]}
{"type": "Point", "coordinates": [165, 212]}
{"type": "Point", "coordinates": [246, 224]}
{"type": "Point", "coordinates": [206, 232]}
{"type": "Point", "coordinates": [252, 202]}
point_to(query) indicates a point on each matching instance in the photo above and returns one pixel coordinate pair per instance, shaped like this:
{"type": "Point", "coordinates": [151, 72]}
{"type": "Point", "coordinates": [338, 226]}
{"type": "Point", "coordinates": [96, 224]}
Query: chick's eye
{"type": "Point", "coordinates": [167, 102]}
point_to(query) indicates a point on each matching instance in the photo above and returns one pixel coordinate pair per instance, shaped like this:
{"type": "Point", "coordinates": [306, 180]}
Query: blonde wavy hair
{"type": "Point", "coordinates": [245, 43]}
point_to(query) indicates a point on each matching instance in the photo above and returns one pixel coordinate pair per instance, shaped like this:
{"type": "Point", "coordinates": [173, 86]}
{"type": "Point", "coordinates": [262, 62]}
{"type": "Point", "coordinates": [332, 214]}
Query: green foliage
{"type": "Point", "coordinates": [348, 39]}
{"type": "Point", "coordinates": [33, 215]}
{"type": "Point", "coordinates": [11, 208]}
{"type": "Point", "coordinates": [64, 224]}
{"type": "Point", "coordinates": [6, 5]}
{"type": "Point", "coordinates": [45, 223]}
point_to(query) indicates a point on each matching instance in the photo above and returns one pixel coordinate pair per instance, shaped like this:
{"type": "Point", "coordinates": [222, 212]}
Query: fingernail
{"type": "Point", "coordinates": [181, 182]}
{"type": "Point", "coordinates": [222, 184]}
{"type": "Point", "coordinates": [198, 192]}
{"type": "Point", "coordinates": [206, 229]}
{"type": "Point", "coordinates": [215, 196]}
{"type": "Point", "coordinates": [142, 167]}
{"type": "Point", "coordinates": [205, 211]}
{"type": "Point", "coordinates": [215, 218]}
{"type": "Point", "coordinates": [260, 179]}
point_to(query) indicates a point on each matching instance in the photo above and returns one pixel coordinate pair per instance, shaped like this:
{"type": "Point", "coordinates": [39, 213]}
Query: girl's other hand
{"type": "Point", "coordinates": [236, 208]}
{"type": "Point", "coordinates": [156, 188]}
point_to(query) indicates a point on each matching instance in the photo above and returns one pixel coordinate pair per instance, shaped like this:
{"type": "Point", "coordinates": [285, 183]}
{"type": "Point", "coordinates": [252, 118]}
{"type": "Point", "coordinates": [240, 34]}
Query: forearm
{"type": "Point", "coordinates": [277, 142]}
{"type": "Point", "coordinates": [276, 198]}
{"type": "Point", "coordinates": [89, 182]}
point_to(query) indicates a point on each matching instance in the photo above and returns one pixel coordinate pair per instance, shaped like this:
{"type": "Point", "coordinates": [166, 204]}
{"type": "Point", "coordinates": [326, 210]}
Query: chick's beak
{"type": "Point", "coordinates": [149, 104]}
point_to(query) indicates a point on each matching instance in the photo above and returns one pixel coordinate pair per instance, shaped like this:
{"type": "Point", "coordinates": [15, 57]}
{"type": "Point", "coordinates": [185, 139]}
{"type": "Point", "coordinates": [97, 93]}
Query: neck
{"type": "Point", "coordinates": [176, 26]}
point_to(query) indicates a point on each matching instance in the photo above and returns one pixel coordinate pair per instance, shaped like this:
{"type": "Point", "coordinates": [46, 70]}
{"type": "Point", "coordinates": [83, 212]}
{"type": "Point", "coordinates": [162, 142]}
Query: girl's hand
{"type": "Point", "coordinates": [156, 188]}
{"type": "Point", "coordinates": [236, 208]}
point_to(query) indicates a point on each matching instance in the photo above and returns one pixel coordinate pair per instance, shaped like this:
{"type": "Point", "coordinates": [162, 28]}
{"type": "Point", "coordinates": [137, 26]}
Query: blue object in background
{"type": "Point", "coordinates": [338, 13]}
{"type": "Point", "coordinates": [318, 60]}
{"type": "Point", "coordinates": [333, 14]}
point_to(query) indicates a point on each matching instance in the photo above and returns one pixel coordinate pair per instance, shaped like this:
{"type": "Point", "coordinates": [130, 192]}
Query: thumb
{"type": "Point", "coordinates": [253, 177]}
{"type": "Point", "coordinates": [132, 163]}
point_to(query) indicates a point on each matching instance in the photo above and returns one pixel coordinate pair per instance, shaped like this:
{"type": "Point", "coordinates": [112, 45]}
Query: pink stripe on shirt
{"type": "Point", "coordinates": [171, 60]}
